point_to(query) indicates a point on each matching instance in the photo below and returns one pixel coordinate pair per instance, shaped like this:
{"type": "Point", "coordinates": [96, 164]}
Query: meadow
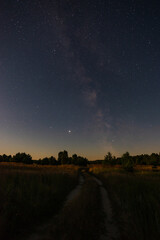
{"type": "Point", "coordinates": [135, 200]}
{"type": "Point", "coordinates": [31, 194]}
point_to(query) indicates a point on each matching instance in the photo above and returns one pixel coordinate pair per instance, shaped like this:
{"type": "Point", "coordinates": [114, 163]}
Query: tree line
{"type": "Point", "coordinates": [63, 158]}
{"type": "Point", "coordinates": [128, 162]}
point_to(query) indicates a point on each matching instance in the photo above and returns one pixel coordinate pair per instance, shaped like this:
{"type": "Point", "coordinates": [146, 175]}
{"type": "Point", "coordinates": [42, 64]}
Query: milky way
{"type": "Point", "coordinates": [79, 75]}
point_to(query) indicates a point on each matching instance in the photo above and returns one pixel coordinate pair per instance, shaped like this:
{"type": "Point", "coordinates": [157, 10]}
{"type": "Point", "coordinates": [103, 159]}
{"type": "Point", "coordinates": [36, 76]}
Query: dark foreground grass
{"type": "Point", "coordinates": [136, 203]}
{"type": "Point", "coordinates": [30, 195]}
{"type": "Point", "coordinates": [82, 218]}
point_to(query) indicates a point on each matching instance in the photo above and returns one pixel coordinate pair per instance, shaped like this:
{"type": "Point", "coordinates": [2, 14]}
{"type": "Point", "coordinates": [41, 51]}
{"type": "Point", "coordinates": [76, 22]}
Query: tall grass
{"type": "Point", "coordinates": [29, 195]}
{"type": "Point", "coordinates": [136, 202]}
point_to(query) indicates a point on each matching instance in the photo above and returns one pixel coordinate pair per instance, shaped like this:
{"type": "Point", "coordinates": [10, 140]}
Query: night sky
{"type": "Point", "coordinates": [81, 76]}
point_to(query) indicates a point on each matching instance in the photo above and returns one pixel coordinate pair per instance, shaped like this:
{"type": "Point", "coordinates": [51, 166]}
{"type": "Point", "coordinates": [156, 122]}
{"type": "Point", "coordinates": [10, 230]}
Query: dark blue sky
{"type": "Point", "coordinates": [81, 76]}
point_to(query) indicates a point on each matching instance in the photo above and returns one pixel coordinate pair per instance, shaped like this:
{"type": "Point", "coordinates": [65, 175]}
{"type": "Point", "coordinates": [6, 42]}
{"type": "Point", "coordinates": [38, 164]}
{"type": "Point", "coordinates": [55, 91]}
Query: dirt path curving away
{"type": "Point", "coordinates": [112, 232]}
{"type": "Point", "coordinates": [41, 232]}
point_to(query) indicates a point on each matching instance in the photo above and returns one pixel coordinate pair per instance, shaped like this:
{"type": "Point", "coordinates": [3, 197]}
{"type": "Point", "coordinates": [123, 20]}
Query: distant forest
{"type": "Point", "coordinates": [126, 160]}
{"type": "Point", "coordinates": [63, 158]}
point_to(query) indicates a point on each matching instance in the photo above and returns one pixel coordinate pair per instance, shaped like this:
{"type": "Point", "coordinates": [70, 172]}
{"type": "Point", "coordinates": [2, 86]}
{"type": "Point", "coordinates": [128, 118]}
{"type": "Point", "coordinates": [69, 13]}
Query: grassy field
{"type": "Point", "coordinates": [29, 195]}
{"type": "Point", "coordinates": [136, 200]}
{"type": "Point", "coordinates": [32, 194]}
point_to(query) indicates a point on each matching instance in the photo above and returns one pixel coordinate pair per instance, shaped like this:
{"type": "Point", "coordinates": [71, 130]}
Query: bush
{"type": "Point", "coordinates": [109, 159]}
{"type": "Point", "coordinates": [127, 162]}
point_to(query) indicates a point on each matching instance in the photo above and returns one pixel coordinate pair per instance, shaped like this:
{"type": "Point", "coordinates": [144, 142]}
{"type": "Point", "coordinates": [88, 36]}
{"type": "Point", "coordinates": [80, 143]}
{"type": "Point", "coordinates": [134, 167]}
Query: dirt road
{"type": "Point", "coordinates": [82, 214]}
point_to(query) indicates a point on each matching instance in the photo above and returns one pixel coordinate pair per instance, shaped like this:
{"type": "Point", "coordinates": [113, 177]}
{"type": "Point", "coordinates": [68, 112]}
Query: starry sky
{"type": "Point", "coordinates": [83, 76]}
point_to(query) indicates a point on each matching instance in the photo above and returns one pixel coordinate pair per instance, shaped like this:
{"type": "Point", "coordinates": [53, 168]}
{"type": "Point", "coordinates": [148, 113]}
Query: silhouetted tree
{"type": "Point", "coordinates": [127, 162]}
{"type": "Point", "coordinates": [81, 161]}
{"type": "Point", "coordinates": [45, 161]}
{"type": "Point", "coordinates": [74, 159]}
{"type": "Point", "coordinates": [23, 157]}
{"type": "Point", "coordinates": [109, 159]}
{"type": "Point", "coordinates": [5, 158]}
{"type": "Point", "coordinates": [52, 161]}
{"type": "Point", "coordinates": [154, 159]}
{"type": "Point", "coordinates": [63, 157]}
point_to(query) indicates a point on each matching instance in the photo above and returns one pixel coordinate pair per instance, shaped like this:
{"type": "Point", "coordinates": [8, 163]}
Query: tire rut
{"type": "Point", "coordinates": [111, 229]}
{"type": "Point", "coordinates": [41, 232]}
